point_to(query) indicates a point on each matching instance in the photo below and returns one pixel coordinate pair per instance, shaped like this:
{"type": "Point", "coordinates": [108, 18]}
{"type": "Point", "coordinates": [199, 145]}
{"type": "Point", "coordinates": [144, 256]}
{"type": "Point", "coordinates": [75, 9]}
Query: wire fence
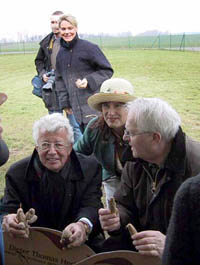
{"type": "Point", "coordinates": [171, 42]}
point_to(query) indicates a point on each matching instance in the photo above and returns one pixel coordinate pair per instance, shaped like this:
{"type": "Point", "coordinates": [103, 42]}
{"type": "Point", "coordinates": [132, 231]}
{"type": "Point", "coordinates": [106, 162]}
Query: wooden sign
{"type": "Point", "coordinates": [42, 248]}
{"type": "Point", "coordinates": [120, 258]}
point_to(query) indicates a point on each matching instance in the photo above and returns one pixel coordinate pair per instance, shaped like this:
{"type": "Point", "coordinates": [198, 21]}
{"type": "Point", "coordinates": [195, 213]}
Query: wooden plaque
{"type": "Point", "coordinates": [120, 258]}
{"type": "Point", "coordinates": [42, 248]}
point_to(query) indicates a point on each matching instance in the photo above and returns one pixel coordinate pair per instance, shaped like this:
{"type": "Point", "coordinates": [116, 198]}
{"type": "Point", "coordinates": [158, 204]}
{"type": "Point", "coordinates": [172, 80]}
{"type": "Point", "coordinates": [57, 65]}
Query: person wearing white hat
{"type": "Point", "coordinates": [103, 136]}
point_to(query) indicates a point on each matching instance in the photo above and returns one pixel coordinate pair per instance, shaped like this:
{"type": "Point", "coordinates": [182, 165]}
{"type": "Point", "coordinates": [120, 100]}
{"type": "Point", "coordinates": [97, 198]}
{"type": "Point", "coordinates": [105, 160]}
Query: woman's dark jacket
{"type": "Point", "coordinates": [58, 198]}
{"type": "Point", "coordinates": [77, 60]}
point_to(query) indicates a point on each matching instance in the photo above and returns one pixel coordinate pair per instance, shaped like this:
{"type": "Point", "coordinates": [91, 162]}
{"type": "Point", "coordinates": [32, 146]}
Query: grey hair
{"type": "Point", "coordinates": [52, 123]}
{"type": "Point", "coordinates": [154, 115]}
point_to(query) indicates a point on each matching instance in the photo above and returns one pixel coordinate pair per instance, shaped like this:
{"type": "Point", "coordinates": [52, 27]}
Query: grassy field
{"type": "Point", "coordinates": [173, 76]}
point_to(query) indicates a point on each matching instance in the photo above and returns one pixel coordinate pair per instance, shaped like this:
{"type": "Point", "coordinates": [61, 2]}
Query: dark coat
{"type": "Point", "coordinates": [43, 65]}
{"type": "Point", "coordinates": [43, 58]}
{"type": "Point", "coordinates": [80, 59]}
{"type": "Point", "coordinates": [82, 194]}
{"type": "Point", "coordinates": [183, 235]}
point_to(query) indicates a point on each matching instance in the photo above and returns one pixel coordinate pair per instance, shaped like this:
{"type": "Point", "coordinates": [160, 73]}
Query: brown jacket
{"type": "Point", "coordinates": [149, 210]}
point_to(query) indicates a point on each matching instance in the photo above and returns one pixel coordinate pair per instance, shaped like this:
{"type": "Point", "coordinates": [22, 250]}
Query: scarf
{"type": "Point", "coordinates": [69, 45]}
{"type": "Point", "coordinates": [49, 193]}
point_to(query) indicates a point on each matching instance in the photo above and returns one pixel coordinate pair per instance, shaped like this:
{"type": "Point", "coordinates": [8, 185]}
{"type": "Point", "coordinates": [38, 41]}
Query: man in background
{"type": "Point", "coordinates": [45, 60]}
{"type": "Point", "coordinates": [45, 63]}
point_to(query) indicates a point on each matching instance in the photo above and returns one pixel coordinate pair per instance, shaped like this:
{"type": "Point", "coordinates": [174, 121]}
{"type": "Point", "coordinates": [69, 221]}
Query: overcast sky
{"type": "Point", "coordinates": [107, 16]}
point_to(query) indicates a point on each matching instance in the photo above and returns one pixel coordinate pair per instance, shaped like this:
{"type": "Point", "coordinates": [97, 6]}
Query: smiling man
{"type": "Point", "coordinates": [162, 158]}
{"type": "Point", "coordinates": [63, 187]}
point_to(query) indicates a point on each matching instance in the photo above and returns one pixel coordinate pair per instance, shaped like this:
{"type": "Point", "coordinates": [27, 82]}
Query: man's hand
{"type": "Point", "coordinates": [77, 234]}
{"type": "Point", "coordinates": [81, 83]}
{"type": "Point", "coordinates": [11, 225]}
{"type": "Point", "coordinates": [45, 78]}
{"type": "Point", "coordinates": [109, 221]}
{"type": "Point", "coordinates": [149, 242]}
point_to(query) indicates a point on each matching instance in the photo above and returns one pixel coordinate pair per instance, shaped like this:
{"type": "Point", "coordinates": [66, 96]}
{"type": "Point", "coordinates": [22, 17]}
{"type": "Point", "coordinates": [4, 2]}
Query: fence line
{"type": "Point", "coordinates": [172, 42]}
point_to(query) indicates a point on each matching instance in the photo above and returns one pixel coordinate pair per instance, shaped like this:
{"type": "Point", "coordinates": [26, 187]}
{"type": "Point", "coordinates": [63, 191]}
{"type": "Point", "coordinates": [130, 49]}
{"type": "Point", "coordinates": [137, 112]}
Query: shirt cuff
{"type": "Point", "coordinates": [87, 221]}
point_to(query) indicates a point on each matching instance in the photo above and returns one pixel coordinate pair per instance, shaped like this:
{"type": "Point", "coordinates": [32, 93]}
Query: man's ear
{"type": "Point", "coordinates": [157, 137]}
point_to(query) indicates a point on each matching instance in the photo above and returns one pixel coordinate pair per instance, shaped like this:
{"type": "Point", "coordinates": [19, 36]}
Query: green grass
{"type": "Point", "coordinates": [173, 76]}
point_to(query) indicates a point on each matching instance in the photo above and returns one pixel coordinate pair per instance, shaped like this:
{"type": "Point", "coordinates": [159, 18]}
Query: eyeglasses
{"type": "Point", "coordinates": [128, 134]}
{"type": "Point", "coordinates": [47, 146]}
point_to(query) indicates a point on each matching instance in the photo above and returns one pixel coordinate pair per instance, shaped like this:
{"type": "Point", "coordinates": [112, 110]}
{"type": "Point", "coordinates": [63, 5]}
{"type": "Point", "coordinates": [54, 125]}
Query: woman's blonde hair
{"type": "Point", "coordinates": [69, 18]}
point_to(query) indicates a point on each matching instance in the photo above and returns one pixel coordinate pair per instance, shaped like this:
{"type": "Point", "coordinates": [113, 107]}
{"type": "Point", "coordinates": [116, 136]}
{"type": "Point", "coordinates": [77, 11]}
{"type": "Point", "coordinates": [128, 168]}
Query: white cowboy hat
{"type": "Point", "coordinates": [112, 90]}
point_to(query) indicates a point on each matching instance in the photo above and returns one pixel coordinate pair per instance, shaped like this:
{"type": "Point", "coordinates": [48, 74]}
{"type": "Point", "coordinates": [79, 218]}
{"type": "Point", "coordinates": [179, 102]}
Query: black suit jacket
{"type": "Point", "coordinates": [82, 195]}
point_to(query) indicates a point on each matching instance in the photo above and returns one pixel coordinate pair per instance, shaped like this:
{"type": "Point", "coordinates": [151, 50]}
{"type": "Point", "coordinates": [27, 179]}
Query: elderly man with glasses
{"type": "Point", "coordinates": [162, 158]}
{"type": "Point", "coordinates": [63, 187]}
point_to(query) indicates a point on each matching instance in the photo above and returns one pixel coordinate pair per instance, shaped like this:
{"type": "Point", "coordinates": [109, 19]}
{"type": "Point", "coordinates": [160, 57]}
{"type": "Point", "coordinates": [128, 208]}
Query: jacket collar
{"type": "Point", "coordinates": [47, 39]}
{"type": "Point", "coordinates": [69, 45]}
{"type": "Point", "coordinates": [176, 159]}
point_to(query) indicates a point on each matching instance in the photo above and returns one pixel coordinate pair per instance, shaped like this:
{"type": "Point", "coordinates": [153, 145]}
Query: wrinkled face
{"type": "Point", "coordinates": [114, 114]}
{"type": "Point", "coordinates": [54, 24]}
{"type": "Point", "coordinates": [141, 142]}
{"type": "Point", "coordinates": [54, 149]}
{"type": "Point", "coordinates": [67, 31]}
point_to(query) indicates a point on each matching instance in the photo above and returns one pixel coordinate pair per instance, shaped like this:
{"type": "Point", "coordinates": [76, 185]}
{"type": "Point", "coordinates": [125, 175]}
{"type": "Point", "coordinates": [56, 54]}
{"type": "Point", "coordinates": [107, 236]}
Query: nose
{"type": "Point", "coordinates": [111, 110]}
{"type": "Point", "coordinates": [52, 149]}
{"type": "Point", "coordinates": [66, 31]}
